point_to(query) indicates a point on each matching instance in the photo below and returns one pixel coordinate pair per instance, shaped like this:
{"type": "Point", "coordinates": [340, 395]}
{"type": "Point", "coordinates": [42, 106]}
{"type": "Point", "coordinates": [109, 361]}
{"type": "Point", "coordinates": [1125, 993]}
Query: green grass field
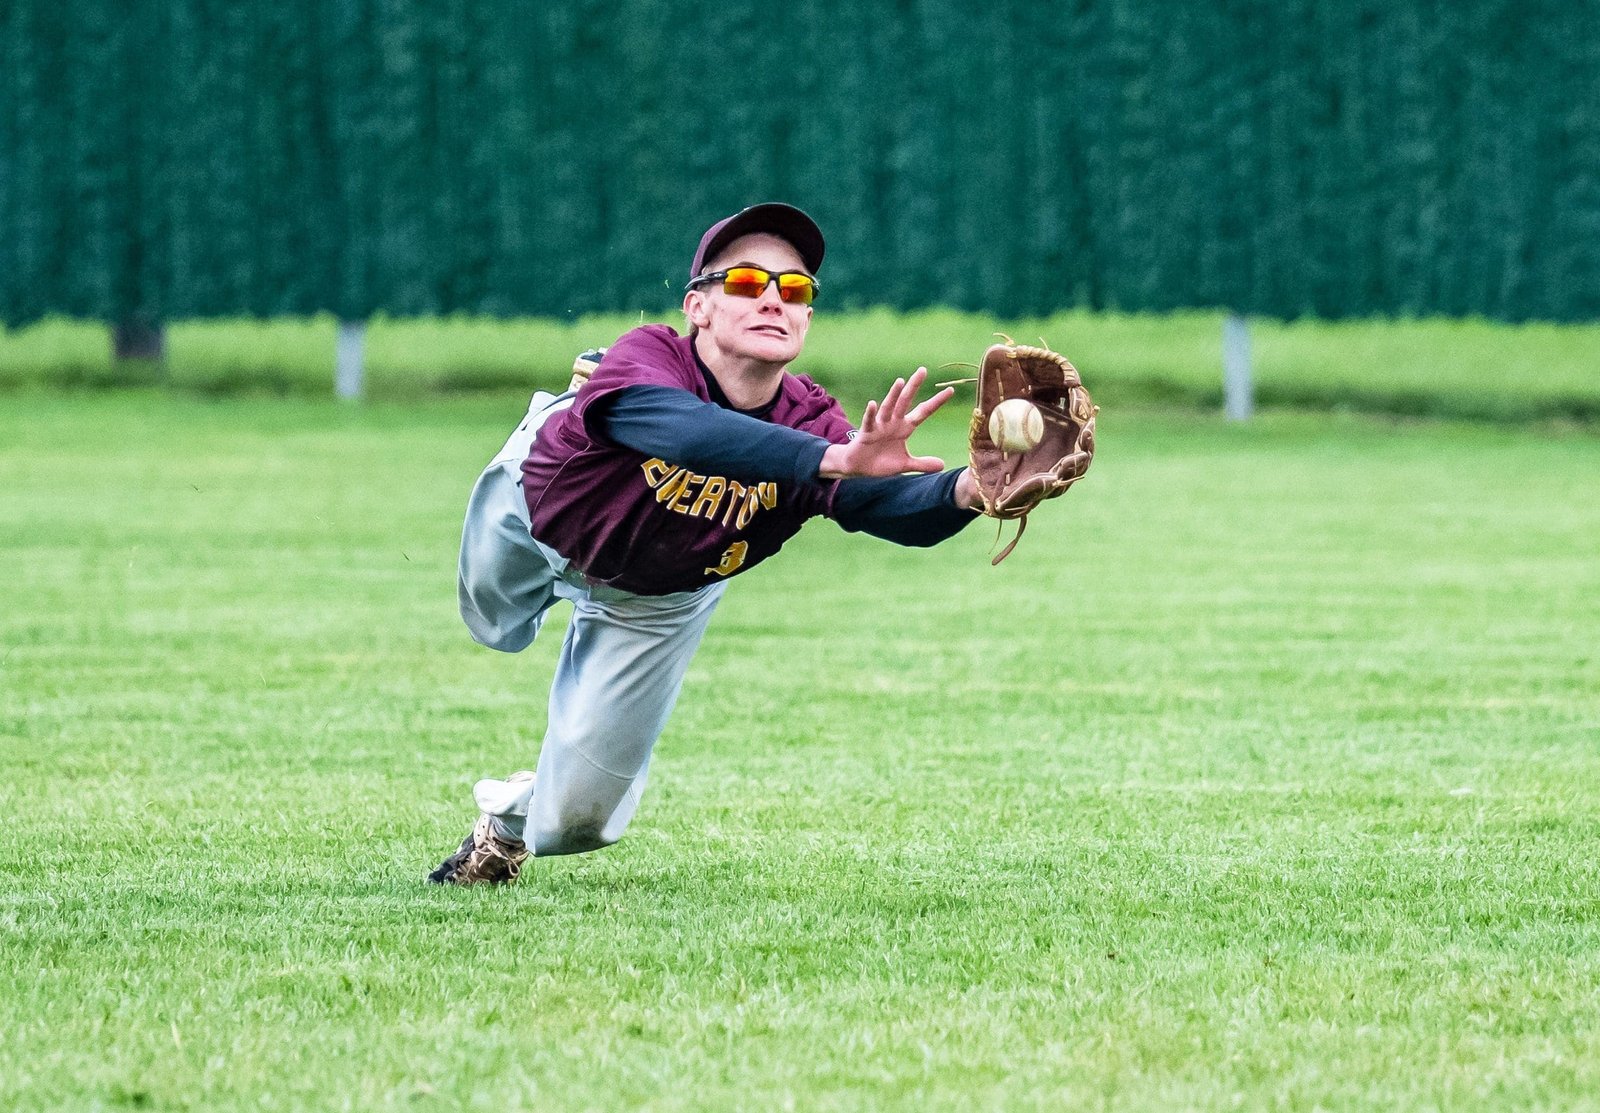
{"type": "Point", "coordinates": [1471, 370]}
{"type": "Point", "coordinates": [1261, 776]}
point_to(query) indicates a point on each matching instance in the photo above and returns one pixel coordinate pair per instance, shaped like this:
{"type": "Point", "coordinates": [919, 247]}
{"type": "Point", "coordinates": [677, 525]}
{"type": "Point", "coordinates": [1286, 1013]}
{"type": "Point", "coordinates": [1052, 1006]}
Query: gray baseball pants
{"type": "Point", "coordinates": [621, 666]}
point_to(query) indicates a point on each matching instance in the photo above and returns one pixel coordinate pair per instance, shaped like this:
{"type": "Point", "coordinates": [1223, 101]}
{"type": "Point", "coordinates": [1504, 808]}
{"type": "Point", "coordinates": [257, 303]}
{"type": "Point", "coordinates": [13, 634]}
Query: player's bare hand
{"type": "Point", "coordinates": [879, 448]}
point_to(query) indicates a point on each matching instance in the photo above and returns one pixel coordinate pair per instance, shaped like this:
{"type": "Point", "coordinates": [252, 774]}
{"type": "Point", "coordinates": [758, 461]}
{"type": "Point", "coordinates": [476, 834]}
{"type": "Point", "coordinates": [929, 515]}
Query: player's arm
{"type": "Point", "coordinates": [675, 425]}
{"type": "Point", "coordinates": [702, 436]}
{"type": "Point", "coordinates": [915, 510]}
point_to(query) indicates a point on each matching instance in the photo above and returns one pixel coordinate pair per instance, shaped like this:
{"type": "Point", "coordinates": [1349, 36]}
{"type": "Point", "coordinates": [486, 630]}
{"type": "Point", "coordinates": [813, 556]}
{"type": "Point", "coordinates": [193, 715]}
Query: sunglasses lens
{"type": "Point", "coordinates": [746, 282]}
{"type": "Point", "coordinates": [800, 288]}
{"type": "Point", "coordinates": [751, 282]}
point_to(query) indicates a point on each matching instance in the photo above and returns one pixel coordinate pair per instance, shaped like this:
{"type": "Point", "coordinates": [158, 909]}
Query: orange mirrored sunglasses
{"type": "Point", "coordinates": [751, 282]}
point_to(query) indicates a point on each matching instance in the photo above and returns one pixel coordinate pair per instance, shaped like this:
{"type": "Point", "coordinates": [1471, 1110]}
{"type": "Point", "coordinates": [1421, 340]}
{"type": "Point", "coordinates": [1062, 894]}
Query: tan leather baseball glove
{"type": "Point", "coordinates": [1038, 445]}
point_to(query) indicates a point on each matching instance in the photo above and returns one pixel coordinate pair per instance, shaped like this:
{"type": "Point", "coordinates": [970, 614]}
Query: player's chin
{"type": "Point", "coordinates": [771, 347]}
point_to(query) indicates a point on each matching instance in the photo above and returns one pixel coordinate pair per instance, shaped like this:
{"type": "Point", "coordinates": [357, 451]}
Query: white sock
{"type": "Point", "coordinates": [506, 804]}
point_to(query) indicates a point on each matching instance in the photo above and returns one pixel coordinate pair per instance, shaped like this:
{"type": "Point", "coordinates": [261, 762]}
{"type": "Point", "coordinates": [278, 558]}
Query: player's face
{"type": "Point", "coordinates": [766, 328]}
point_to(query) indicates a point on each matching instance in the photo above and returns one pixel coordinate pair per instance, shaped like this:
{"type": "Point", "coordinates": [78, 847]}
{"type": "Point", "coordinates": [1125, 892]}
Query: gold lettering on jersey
{"type": "Point", "coordinates": [731, 560]}
{"type": "Point", "coordinates": [686, 492]}
{"type": "Point", "coordinates": [735, 499]}
{"type": "Point", "coordinates": [655, 471]}
{"type": "Point", "coordinates": [706, 505]}
{"type": "Point", "coordinates": [752, 503]}
{"type": "Point", "coordinates": [668, 488]}
{"type": "Point", "coordinates": [712, 497]}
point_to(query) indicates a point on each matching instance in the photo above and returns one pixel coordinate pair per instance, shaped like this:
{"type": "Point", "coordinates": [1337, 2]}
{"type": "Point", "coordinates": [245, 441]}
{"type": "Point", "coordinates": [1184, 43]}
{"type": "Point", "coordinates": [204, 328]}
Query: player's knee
{"type": "Point", "coordinates": [506, 641]}
{"type": "Point", "coordinates": [506, 637]}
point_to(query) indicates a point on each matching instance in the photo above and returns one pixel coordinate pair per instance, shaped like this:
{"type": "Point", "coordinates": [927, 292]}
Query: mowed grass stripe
{"type": "Point", "coordinates": [1258, 776]}
{"type": "Point", "coordinates": [1464, 369]}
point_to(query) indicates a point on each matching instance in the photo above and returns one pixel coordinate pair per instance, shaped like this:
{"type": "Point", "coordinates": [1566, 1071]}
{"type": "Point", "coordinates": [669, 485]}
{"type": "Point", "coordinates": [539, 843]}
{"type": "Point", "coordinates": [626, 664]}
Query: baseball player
{"type": "Point", "coordinates": [683, 461]}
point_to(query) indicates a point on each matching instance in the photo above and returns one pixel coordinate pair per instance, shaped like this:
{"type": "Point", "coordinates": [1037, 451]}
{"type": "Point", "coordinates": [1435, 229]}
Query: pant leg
{"type": "Point", "coordinates": [619, 674]}
{"type": "Point", "coordinates": [621, 669]}
{"type": "Point", "coordinates": [504, 579]}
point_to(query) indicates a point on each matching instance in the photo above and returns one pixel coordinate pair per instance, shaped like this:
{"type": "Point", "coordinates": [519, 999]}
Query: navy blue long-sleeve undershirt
{"type": "Point", "coordinates": [719, 440]}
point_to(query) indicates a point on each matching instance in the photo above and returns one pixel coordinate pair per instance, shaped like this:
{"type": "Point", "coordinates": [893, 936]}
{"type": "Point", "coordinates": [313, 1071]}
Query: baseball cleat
{"type": "Point", "coordinates": [484, 859]}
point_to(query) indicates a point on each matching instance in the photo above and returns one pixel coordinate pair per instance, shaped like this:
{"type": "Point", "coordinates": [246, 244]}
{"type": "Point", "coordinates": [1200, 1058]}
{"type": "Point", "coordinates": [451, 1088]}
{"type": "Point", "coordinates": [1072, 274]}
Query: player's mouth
{"type": "Point", "coordinates": [771, 330]}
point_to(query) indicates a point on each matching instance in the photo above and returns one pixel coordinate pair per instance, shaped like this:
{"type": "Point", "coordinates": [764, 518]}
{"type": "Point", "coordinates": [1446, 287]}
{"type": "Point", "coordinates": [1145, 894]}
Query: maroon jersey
{"type": "Point", "coordinates": [651, 526]}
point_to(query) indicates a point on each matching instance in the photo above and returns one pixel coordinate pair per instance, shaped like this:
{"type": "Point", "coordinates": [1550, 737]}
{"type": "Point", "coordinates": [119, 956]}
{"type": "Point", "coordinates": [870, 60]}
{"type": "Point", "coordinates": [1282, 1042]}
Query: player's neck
{"type": "Point", "coordinates": [748, 383]}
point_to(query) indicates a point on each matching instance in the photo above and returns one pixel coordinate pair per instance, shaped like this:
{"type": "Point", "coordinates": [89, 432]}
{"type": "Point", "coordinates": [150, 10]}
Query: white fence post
{"type": "Point", "coordinates": [1238, 393]}
{"type": "Point", "coordinates": [347, 365]}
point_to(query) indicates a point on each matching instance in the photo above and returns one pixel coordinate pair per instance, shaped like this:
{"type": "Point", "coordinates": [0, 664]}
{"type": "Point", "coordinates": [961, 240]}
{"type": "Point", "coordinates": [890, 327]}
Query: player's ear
{"type": "Point", "coordinates": [694, 308]}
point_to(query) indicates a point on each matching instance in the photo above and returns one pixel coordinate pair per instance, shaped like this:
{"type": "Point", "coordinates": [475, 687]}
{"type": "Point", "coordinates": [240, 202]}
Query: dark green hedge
{"type": "Point", "coordinates": [1283, 157]}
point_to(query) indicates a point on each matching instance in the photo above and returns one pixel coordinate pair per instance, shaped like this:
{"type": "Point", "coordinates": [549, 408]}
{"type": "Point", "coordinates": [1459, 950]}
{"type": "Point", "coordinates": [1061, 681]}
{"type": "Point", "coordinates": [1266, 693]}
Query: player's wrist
{"type": "Point", "coordinates": [965, 492]}
{"type": "Point", "coordinates": [833, 465]}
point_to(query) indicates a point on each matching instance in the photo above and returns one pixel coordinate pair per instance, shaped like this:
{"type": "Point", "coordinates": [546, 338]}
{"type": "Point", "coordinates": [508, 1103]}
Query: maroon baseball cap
{"type": "Point", "coordinates": [784, 221]}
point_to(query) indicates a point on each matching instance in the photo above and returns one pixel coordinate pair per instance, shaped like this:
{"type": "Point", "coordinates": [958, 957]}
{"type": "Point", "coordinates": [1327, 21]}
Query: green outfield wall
{"type": "Point", "coordinates": [1279, 157]}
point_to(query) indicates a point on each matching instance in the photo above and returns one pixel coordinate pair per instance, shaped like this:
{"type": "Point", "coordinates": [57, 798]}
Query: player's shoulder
{"type": "Point", "coordinates": [648, 353]}
{"type": "Point", "coordinates": [804, 388]}
{"type": "Point", "coordinates": [650, 337]}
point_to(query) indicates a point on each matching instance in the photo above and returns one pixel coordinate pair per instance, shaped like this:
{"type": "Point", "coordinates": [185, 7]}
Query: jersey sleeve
{"type": "Point", "coordinates": [808, 407]}
{"type": "Point", "coordinates": [917, 510]}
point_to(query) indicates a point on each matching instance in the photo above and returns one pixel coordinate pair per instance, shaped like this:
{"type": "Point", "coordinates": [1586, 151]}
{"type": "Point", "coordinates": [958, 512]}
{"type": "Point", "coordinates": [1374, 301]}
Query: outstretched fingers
{"type": "Point", "coordinates": [880, 445]}
{"type": "Point", "coordinates": [891, 409]}
{"type": "Point", "coordinates": [909, 394]}
{"type": "Point", "coordinates": [897, 403]}
{"type": "Point", "coordinates": [930, 407]}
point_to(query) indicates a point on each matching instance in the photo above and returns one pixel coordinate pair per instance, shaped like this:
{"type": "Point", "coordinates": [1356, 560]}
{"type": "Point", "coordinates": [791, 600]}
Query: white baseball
{"type": "Point", "coordinates": [1016, 425]}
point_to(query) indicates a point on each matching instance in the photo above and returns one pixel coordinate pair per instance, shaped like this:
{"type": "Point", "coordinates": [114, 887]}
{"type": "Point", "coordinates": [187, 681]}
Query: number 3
{"type": "Point", "coordinates": [731, 560]}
